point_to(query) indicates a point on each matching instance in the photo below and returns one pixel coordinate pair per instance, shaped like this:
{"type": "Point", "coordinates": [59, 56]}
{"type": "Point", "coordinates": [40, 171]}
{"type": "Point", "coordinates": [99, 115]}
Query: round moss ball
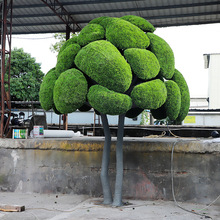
{"type": "Point", "coordinates": [143, 63]}
{"type": "Point", "coordinates": [108, 102]}
{"type": "Point", "coordinates": [46, 90]}
{"type": "Point", "coordinates": [140, 22]}
{"type": "Point", "coordinates": [164, 54]}
{"type": "Point", "coordinates": [107, 21]}
{"type": "Point", "coordinates": [103, 63]}
{"type": "Point", "coordinates": [67, 43]}
{"type": "Point", "coordinates": [70, 91]}
{"type": "Point", "coordinates": [173, 101]}
{"type": "Point", "coordinates": [185, 95]}
{"type": "Point", "coordinates": [65, 59]}
{"type": "Point", "coordinates": [74, 38]}
{"type": "Point", "coordinates": [149, 95]}
{"type": "Point", "coordinates": [90, 33]}
{"type": "Point", "coordinates": [124, 35]}
{"type": "Point", "coordinates": [103, 21]}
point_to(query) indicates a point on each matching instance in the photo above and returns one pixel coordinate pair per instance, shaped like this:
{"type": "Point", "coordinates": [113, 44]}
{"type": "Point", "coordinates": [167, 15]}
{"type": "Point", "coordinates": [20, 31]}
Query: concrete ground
{"type": "Point", "coordinates": [81, 207]}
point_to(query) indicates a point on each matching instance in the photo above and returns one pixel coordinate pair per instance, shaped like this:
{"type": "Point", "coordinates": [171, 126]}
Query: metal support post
{"type": "Point", "coordinates": [6, 31]}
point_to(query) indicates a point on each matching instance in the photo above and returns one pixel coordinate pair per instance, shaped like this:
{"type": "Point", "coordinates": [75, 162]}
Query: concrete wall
{"type": "Point", "coordinates": [73, 166]}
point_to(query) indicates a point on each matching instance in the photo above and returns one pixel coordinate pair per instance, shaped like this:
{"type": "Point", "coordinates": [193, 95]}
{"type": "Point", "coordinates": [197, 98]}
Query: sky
{"type": "Point", "coordinates": [188, 43]}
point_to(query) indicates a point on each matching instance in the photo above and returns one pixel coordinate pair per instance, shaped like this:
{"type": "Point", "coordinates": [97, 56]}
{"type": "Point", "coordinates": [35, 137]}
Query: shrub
{"type": "Point", "coordinates": [149, 95]}
{"type": "Point", "coordinates": [164, 55]}
{"type": "Point", "coordinates": [143, 63]}
{"type": "Point", "coordinates": [185, 96]}
{"type": "Point", "coordinates": [70, 91]}
{"type": "Point", "coordinates": [140, 22]}
{"type": "Point", "coordinates": [46, 90]}
{"type": "Point", "coordinates": [65, 59]}
{"type": "Point", "coordinates": [125, 35]}
{"type": "Point", "coordinates": [107, 101]}
{"type": "Point", "coordinates": [102, 62]}
{"type": "Point", "coordinates": [90, 33]}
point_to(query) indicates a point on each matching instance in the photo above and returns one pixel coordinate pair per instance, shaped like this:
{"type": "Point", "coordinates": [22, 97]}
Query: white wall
{"type": "Point", "coordinates": [214, 81]}
{"type": "Point", "coordinates": [203, 119]}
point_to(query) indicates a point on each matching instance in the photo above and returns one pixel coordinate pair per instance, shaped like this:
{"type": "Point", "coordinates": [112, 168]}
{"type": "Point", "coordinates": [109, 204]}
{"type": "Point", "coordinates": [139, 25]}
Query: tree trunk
{"type": "Point", "coordinates": [105, 162]}
{"type": "Point", "coordinates": [119, 162]}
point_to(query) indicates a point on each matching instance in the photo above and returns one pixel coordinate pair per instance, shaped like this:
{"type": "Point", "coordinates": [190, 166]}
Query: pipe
{"type": "Point", "coordinates": [61, 134]}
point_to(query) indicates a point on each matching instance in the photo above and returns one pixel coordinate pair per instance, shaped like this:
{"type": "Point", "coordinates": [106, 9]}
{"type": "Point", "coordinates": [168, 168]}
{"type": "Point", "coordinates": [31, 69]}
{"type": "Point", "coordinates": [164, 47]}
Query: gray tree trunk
{"type": "Point", "coordinates": [119, 163]}
{"type": "Point", "coordinates": [107, 194]}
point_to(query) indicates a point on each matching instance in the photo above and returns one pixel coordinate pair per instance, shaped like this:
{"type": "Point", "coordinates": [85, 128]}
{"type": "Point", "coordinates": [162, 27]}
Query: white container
{"type": "Point", "coordinates": [38, 131]}
{"type": "Point", "coordinates": [61, 134]}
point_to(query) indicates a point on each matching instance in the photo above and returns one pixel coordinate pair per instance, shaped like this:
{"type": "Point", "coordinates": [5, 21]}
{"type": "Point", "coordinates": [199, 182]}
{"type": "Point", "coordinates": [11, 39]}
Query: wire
{"type": "Point", "coordinates": [26, 38]}
{"type": "Point", "coordinates": [210, 204]}
{"type": "Point", "coordinates": [156, 136]}
{"type": "Point", "coordinates": [173, 192]}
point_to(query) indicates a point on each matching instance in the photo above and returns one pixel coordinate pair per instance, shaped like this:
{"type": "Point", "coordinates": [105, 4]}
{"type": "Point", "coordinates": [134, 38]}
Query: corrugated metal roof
{"type": "Point", "coordinates": [36, 17]}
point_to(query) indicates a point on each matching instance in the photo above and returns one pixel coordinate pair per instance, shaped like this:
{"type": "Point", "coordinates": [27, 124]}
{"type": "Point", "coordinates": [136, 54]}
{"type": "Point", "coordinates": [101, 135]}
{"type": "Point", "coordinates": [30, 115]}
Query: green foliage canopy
{"type": "Point", "coordinates": [149, 95]}
{"type": "Point", "coordinates": [173, 101]}
{"type": "Point", "coordinates": [65, 59]}
{"type": "Point", "coordinates": [104, 21]}
{"type": "Point", "coordinates": [67, 43]}
{"type": "Point", "coordinates": [90, 33]}
{"type": "Point", "coordinates": [171, 107]}
{"type": "Point", "coordinates": [46, 89]}
{"type": "Point", "coordinates": [143, 24]}
{"type": "Point", "coordinates": [185, 96]}
{"type": "Point", "coordinates": [124, 35]}
{"type": "Point", "coordinates": [143, 63]}
{"type": "Point", "coordinates": [164, 54]}
{"type": "Point", "coordinates": [107, 101]}
{"type": "Point", "coordinates": [125, 67]}
{"type": "Point", "coordinates": [101, 61]}
{"type": "Point", "coordinates": [70, 91]}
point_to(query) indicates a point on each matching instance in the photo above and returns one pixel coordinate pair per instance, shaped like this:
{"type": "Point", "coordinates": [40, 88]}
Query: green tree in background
{"type": "Point", "coordinates": [26, 76]}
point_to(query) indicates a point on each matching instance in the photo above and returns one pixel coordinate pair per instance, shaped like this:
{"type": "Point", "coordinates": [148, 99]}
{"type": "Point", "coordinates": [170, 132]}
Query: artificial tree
{"type": "Point", "coordinates": [118, 67]}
